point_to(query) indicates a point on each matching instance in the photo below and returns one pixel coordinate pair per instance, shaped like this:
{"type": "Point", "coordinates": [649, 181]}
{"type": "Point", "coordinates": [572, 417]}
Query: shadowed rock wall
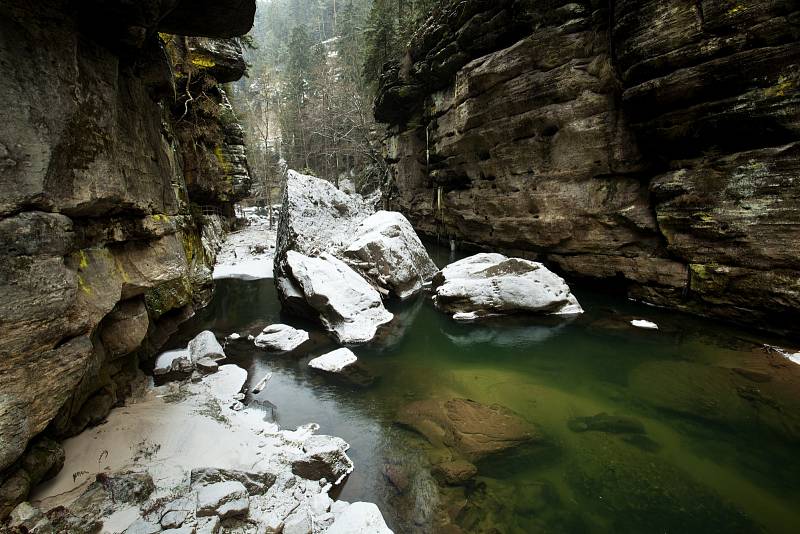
{"type": "Point", "coordinates": [101, 252]}
{"type": "Point", "coordinates": [654, 145]}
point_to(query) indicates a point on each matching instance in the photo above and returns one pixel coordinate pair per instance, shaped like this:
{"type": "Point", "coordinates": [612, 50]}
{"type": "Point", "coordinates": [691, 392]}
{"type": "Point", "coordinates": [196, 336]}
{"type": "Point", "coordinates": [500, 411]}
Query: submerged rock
{"type": "Point", "coordinates": [387, 251]}
{"type": "Point", "coordinates": [603, 422]}
{"type": "Point", "coordinates": [347, 305]}
{"type": "Point", "coordinates": [473, 429]}
{"type": "Point", "coordinates": [454, 473]}
{"type": "Point", "coordinates": [492, 284]}
{"type": "Point", "coordinates": [280, 338]}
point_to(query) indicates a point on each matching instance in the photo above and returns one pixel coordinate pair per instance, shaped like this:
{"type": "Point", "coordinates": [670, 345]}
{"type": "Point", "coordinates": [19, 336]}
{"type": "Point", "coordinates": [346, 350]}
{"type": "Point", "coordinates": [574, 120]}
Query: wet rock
{"type": "Point", "coordinates": [642, 442]}
{"type": "Point", "coordinates": [324, 457]}
{"type": "Point", "coordinates": [347, 305]}
{"type": "Point", "coordinates": [603, 422]}
{"type": "Point", "coordinates": [359, 518]}
{"type": "Point", "coordinates": [280, 338]}
{"type": "Point", "coordinates": [722, 396]}
{"type": "Point", "coordinates": [397, 477]}
{"type": "Point", "coordinates": [642, 492]}
{"type": "Point", "coordinates": [387, 251]}
{"type": "Point", "coordinates": [225, 499]}
{"type": "Point", "coordinates": [473, 429]}
{"type": "Point", "coordinates": [205, 345]}
{"type": "Point", "coordinates": [492, 284]}
{"type": "Point", "coordinates": [454, 473]}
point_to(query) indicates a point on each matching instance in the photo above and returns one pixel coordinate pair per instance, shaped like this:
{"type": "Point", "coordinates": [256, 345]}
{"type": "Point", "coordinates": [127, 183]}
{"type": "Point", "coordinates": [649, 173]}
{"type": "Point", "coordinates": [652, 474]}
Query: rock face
{"type": "Point", "coordinates": [491, 284]}
{"type": "Point", "coordinates": [648, 144]}
{"type": "Point", "coordinates": [335, 259]}
{"type": "Point", "coordinates": [101, 247]}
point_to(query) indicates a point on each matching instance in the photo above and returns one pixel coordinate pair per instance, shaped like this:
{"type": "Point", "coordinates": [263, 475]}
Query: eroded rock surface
{"type": "Point", "coordinates": [645, 144]}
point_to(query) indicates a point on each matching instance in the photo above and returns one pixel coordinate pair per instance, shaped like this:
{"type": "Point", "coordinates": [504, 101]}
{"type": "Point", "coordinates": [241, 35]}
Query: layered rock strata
{"type": "Point", "coordinates": [104, 248]}
{"type": "Point", "coordinates": [650, 145]}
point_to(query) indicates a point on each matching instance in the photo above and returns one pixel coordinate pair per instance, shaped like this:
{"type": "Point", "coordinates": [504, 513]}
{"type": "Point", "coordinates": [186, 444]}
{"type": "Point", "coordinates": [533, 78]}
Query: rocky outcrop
{"type": "Point", "coordinates": [649, 145]}
{"type": "Point", "coordinates": [102, 248]}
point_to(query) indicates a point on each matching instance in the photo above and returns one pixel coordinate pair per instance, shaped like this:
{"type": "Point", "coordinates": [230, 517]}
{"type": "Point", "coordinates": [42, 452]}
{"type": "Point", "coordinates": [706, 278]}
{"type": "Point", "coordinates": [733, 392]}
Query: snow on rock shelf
{"type": "Point", "coordinates": [641, 323]}
{"type": "Point", "coordinates": [492, 284]}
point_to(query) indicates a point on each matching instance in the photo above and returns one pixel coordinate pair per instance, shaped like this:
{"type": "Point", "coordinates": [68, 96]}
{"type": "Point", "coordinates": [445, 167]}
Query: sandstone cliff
{"type": "Point", "coordinates": [104, 176]}
{"type": "Point", "coordinates": [653, 145]}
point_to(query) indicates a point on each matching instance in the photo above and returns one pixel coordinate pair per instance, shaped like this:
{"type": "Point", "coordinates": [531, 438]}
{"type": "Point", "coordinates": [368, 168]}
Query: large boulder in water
{"type": "Point", "coordinates": [336, 259]}
{"type": "Point", "coordinates": [347, 305]}
{"type": "Point", "coordinates": [387, 251]}
{"type": "Point", "coordinates": [492, 284]}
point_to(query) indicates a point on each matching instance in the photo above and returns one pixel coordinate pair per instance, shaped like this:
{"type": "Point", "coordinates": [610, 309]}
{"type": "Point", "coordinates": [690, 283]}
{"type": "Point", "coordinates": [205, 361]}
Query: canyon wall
{"type": "Point", "coordinates": [650, 146]}
{"type": "Point", "coordinates": [120, 161]}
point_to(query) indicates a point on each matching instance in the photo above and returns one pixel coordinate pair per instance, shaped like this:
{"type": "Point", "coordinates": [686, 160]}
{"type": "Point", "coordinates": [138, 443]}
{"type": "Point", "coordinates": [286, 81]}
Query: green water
{"type": "Point", "coordinates": [721, 415]}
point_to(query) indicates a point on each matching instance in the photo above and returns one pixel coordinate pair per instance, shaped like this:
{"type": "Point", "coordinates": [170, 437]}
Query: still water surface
{"type": "Point", "coordinates": [721, 416]}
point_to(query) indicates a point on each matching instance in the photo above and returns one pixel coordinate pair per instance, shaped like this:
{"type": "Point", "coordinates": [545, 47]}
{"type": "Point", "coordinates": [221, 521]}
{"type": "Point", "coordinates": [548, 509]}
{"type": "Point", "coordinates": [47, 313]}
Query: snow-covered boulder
{"type": "Point", "coordinates": [360, 518]}
{"type": "Point", "coordinates": [339, 237]}
{"type": "Point", "coordinates": [225, 499]}
{"type": "Point", "coordinates": [280, 338]}
{"type": "Point", "coordinates": [347, 305]}
{"type": "Point", "coordinates": [386, 250]}
{"type": "Point", "coordinates": [334, 362]}
{"type": "Point", "coordinates": [324, 457]}
{"type": "Point", "coordinates": [492, 284]}
{"type": "Point", "coordinates": [205, 345]}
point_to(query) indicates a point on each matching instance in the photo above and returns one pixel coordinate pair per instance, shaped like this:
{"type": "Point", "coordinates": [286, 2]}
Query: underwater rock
{"type": "Point", "coordinates": [603, 422]}
{"type": "Point", "coordinates": [454, 473]}
{"type": "Point", "coordinates": [492, 284]}
{"type": "Point", "coordinates": [347, 305]}
{"type": "Point", "coordinates": [280, 338]}
{"type": "Point", "coordinates": [387, 251]}
{"type": "Point", "coordinates": [643, 493]}
{"type": "Point", "coordinates": [473, 429]}
{"type": "Point", "coordinates": [722, 395]}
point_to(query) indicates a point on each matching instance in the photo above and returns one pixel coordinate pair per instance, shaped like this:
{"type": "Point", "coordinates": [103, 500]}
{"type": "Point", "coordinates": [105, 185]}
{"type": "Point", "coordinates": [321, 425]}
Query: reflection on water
{"type": "Point", "coordinates": [707, 440]}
